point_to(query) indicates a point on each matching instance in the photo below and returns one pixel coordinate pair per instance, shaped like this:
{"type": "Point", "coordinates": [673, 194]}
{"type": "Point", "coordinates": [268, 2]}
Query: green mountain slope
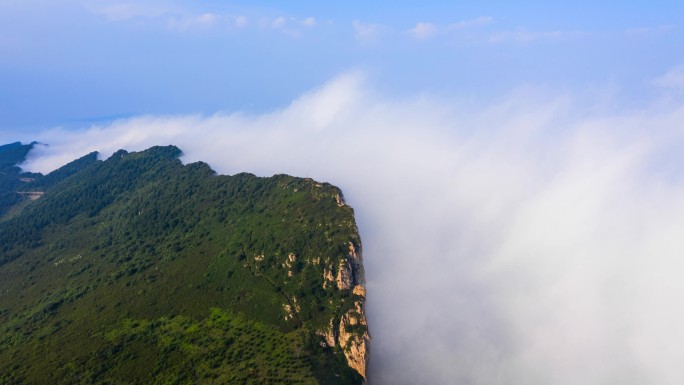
{"type": "Point", "coordinates": [11, 180]}
{"type": "Point", "coordinates": [140, 270]}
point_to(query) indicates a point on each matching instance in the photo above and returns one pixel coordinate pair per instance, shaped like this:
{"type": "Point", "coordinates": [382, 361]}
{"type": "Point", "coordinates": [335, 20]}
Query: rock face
{"type": "Point", "coordinates": [328, 277]}
{"type": "Point", "coordinates": [354, 338]}
{"type": "Point", "coordinates": [350, 332]}
{"type": "Point", "coordinates": [344, 275]}
{"type": "Point", "coordinates": [329, 335]}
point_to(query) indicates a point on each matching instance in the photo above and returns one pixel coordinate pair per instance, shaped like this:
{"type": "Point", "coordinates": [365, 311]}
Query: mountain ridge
{"type": "Point", "coordinates": [141, 256]}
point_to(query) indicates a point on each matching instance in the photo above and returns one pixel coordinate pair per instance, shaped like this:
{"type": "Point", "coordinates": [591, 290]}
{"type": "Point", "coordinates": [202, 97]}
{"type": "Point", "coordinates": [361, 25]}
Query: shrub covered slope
{"type": "Point", "coordinates": [142, 270]}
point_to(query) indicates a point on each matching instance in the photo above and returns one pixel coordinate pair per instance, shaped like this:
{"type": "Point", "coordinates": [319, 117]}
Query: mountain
{"type": "Point", "coordinates": [11, 177]}
{"type": "Point", "coordinates": [141, 270]}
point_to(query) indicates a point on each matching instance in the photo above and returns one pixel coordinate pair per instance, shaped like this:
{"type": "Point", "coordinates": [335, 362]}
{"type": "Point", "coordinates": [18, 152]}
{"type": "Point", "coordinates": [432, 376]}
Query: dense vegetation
{"type": "Point", "coordinates": [140, 270]}
{"type": "Point", "coordinates": [11, 178]}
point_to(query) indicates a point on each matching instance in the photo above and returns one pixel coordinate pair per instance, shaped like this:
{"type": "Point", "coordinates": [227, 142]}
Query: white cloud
{"type": "Point", "coordinates": [309, 22]}
{"type": "Point", "coordinates": [173, 18]}
{"type": "Point", "coordinates": [646, 31]}
{"type": "Point", "coordinates": [367, 32]}
{"type": "Point", "coordinates": [673, 79]}
{"type": "Point", "coordinates": [126, 11]}
{"type": "Point", "coordinates": [522, 36]}
{"type": "Point", "coordinates": [205, 20]}
{"type": "Point", "coordinates": [291, 26]}
{"type": "Point", "coordinates": [522, 242]}
{"type": "Point", "coordinates": [423, 31]}
{"type": "Point", "coordinates": [278, 22]}
{"type": "Point", "coordinates": [477, 22]}
{"type": "Point", "coordinates": [183, 19]}
{"type": "Point", "coordinates": [241, 21]}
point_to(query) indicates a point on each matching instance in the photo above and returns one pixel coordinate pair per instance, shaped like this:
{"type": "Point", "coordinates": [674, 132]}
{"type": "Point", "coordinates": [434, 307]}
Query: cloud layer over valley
{"type": "Point", "coordinates": [533, 240]}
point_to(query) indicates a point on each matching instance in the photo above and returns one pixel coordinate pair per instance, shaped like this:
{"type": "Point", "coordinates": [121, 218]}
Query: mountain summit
{"type": "Point", "coordinates": [141, 270]}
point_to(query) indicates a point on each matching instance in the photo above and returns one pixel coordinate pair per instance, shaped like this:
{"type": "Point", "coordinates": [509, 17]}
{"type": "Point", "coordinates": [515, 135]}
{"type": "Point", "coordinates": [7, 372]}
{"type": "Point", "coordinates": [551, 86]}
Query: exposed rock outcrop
{"type": "Point", "coordinates": [288, 312]}
{"type": "Point", "coordinates": [339, 200]}
{"type": "Point", "coordinates": [328, 276]}
{"type": "Point", "coordinates": [354, 338]}
{"type": "Point", "coordinates": [344, 275]}
{"type": "Point", "coordinates": [352, 251]}
{"type": "Point", "coordinates": [329, 334]}
{"type": "Point", "coordinates": [359, 290]}
{"type": "Point", "coordinates": [357, 264]}
{"type": "Point", "coordinates": [289, 263]}
{"type": "Point", "coordinates": [350, 331]}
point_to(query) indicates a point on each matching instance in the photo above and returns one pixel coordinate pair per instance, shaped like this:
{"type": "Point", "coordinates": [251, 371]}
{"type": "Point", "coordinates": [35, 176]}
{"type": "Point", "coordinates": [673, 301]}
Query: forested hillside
{"type": "Point", "coordinates": [142, 270]}
{"type": "Point", "coordinates": [11, 179]}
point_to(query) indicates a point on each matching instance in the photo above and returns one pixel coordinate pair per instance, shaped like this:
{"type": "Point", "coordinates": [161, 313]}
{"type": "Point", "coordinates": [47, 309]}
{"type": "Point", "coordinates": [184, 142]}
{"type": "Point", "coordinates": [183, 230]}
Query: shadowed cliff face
{"type": "Point", "coordinates": [531, 240]}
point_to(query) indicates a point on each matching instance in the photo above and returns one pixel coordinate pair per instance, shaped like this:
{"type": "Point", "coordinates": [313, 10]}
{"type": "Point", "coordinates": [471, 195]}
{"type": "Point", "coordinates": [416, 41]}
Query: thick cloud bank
{"type": "Point", "coordinates": [531, 241]}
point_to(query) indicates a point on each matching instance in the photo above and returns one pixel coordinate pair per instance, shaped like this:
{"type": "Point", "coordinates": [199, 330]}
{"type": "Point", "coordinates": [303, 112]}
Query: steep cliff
{"type": "Point", "coordinates": [348, 330]}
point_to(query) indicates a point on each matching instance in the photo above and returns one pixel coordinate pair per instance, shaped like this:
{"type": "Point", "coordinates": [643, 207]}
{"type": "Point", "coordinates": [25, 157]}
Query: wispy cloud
{"type": "Point", "coordinates": [368, 32]}
{"type": "Point", "coordinates": [292, 26]}
{"type": "Point", "coordinates": [523, 36]}
{"type": "Point", "coordinates": [206, 21]}
{"type": "Point", "coordinates": [173, 18]}
{"type": "Point", "coordinates": [426, 30]}
{"type": "Point", "coordinates": [647, 31]}
{"type": "Point", "coordinates": [525, 241]}
{"type": "Point", "coordinates": [188, 22]}
{"type": "Point", "coordinates": [423, 31]}
{"type": "Point", "coordinates": [309, 22]}
{"type": "Point", "coordinates": [470, 23]}
{"type": "Point", "coordinates": [241, 21]}
{"type": "Point", "coordinates": [127, 11]}
{"type": "Point", "coordinates": [673, 79]}
{"type": "Point", "coordinates": [183, 19]}
{"type": "Point", "coordinates": [278, 22]}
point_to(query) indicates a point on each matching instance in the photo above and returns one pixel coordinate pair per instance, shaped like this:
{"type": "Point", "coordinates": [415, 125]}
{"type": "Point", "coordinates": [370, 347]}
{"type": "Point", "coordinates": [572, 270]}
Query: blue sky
{"type": "Point", "coordinates": [71, 63]}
